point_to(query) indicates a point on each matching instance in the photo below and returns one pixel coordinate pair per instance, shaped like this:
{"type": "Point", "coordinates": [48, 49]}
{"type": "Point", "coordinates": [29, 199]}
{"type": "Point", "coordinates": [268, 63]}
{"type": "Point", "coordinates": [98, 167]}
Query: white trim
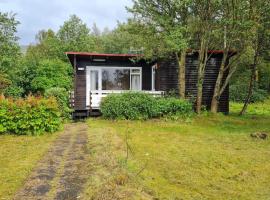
{"type": "Point", "coordinates": [97, 95]}
{"type": "Point", "coordinates": [99, 69]}
{"type": "Point", "coordinates": [153, 73]}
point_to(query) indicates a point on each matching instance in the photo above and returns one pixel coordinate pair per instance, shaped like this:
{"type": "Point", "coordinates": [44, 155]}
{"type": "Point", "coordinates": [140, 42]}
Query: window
{"type": "Point", "coordinates": [115, 79]}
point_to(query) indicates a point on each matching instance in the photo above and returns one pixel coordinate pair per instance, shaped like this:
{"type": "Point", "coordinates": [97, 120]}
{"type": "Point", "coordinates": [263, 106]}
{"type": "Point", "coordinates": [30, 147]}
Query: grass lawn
{"type": "Point", "coordinates": [208, 157]}
{"type": "Point", "coordinates": [18, 156]}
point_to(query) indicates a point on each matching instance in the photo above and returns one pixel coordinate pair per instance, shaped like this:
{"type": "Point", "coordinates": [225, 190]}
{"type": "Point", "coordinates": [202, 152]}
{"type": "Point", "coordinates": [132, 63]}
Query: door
{"type": "Point", "coordinates": [93, 83]}
{"type": "Point", "coordinates": [94, 79]}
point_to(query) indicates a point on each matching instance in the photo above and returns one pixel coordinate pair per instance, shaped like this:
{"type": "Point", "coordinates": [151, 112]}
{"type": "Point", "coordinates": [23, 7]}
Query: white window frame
{"type": "Point", "coordinates": [99, 69]}
{"type": "Point", "coordinates": [153, 77]}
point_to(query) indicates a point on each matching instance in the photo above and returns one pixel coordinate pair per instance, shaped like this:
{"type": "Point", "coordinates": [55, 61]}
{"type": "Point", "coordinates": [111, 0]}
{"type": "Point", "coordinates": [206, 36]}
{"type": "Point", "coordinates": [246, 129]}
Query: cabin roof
{"type": "Point", "coordinates": [102, 54]}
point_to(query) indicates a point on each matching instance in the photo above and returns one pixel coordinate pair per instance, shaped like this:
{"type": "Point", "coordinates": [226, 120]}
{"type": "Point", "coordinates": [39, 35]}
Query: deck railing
{"type": "Point", "coordinates": [97, 95]}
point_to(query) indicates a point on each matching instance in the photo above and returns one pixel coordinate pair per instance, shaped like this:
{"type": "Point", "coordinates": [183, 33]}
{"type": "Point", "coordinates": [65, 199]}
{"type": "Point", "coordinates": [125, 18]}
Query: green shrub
{"type": "Point", "coordinates": [14, 91]}
{"type": "Point", "coordinates": [174, 106]}
{"type": "Point", "coordinates": [238, 93]}
{"type": "Point", "coordinates": [62, 97]}
{"type": "Point", "coordinates": [30, 116]}
{"type": "Point", "coordinates": [134, 106]}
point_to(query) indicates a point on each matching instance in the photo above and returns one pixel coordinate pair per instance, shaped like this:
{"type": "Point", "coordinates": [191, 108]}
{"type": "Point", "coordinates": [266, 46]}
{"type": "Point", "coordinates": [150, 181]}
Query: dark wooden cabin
{"type": "Point", "coordinates": [97, 75]}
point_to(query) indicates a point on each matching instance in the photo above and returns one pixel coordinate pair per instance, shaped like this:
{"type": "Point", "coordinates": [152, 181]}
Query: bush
{"type": "Point", "coordinates": [51, 73]}
{"type": "Point", "coordinates": [30, 116]}
{"type": "Point", "coordinates": [134, 106]}
{"type": "Point", "coordinates": [14, 91]}
{"type": "Point", "coordinates": [238, 93]}
{"type": "Point", "coordinates": [174, 106]}
{"type": "Point", "coordinates": [62, 97]}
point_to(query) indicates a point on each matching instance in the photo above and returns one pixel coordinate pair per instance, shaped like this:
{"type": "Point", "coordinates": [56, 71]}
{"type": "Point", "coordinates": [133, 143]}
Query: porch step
{"type": "Point", "coordinates": [80, 114]}
{"type": "Point", "coordinates": [95, 113]}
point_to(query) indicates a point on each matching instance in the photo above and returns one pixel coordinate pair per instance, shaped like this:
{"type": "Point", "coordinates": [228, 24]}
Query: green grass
{"type": "Point", "coordinates": [208, 157]}
{"type": "Point", "coordinates": [262, 108]}
{"type": "Point", "coordinates": [18, 156]}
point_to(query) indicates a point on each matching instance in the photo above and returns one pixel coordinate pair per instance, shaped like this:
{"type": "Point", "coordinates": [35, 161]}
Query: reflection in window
{"type": "Point", "coordinates": [115, 79]}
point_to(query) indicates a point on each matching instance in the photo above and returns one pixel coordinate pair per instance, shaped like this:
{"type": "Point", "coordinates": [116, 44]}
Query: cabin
{"type": "Point", "coordinates": [98, 75]}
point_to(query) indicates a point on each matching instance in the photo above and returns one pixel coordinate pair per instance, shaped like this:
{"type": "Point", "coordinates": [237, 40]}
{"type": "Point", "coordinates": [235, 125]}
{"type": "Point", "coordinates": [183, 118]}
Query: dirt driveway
{"type": "Point", "coordinates": [61, 174]}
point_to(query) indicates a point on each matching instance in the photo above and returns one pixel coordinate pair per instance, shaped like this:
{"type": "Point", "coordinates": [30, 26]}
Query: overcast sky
{"type": "Point", "coordinates": [36, 15]}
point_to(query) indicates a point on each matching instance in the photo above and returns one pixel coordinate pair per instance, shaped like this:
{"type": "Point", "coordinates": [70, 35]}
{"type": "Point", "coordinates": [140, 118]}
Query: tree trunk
{"type": "Point", "coordinates": [182, 73]}
{"type": "Point", "coordinates": [217, 92]}
{"type": "Point", "coordinates": [201, 68]}
{"type": "Point", "coordinates": [251, 84]}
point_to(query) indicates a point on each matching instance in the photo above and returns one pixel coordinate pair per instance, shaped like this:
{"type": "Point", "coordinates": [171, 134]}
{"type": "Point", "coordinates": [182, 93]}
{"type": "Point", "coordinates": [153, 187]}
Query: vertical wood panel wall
{"type": "Point", "coordinates": [167, 79]}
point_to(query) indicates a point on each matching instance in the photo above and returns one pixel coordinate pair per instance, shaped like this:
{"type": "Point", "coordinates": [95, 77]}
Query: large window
{"type": "Point", "coordinates": [115, 79]}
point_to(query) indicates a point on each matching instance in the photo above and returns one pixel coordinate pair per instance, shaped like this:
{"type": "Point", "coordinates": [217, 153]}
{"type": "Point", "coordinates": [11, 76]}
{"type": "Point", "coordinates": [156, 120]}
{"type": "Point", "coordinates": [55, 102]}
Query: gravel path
{"type": "Point", "coordinates": [61, 174]}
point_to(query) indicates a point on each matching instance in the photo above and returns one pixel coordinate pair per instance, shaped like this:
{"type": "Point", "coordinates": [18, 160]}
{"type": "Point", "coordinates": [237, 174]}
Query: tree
{"type": "Point", "coordinates": [47, 46]}
{"type": "Point", "coordinates": [259, 14]}
{"type": "Point", "coordinates": [233, 33]}
{"type": "Point", "coordinates": [168, 21]}
{"type": "Point", "coordinates": [95, 30]}
{"type": "Point", "coordinates": [9, 48]}
{"type": "Point", "coordinates": [52, 73]}
{"type": "Point", "coordinates": [205, 14]}
{"type": "Point", "coordinates": [75, 35]}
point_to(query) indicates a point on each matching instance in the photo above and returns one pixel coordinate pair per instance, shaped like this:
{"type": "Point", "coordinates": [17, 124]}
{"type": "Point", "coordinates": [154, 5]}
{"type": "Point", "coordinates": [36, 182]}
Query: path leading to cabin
{"type": "Point", "coordinates": [61, 174]}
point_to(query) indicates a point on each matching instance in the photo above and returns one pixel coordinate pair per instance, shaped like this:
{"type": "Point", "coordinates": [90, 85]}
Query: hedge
{"type": "Point", "coordinates": [29, 116]}
{"type": "Point", "coordinates": [136, 106]}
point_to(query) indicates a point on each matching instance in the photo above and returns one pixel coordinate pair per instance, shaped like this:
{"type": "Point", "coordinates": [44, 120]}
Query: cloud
{"type": "Point", "coordinates": [36, 15]}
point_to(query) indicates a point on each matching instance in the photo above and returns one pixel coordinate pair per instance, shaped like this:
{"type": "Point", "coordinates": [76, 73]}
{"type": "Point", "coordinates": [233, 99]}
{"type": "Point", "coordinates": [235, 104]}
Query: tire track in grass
{"type": "Point", "coordinates": [60, 174]}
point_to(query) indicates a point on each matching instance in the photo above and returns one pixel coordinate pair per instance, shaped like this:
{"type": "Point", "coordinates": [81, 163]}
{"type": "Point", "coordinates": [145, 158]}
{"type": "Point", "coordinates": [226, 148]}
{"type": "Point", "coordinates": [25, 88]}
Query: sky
{"type": "Point", "coordinates": [35, 15]}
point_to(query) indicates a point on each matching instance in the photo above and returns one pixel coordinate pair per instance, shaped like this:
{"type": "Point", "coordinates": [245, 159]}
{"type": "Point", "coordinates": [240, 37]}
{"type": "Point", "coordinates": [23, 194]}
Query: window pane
{"type": "Point", "coordinates": [135, 82]}
{"type": "Point", "coordinates": [94, 80]}
{"type": "Point", "coordinates": [115, 79]}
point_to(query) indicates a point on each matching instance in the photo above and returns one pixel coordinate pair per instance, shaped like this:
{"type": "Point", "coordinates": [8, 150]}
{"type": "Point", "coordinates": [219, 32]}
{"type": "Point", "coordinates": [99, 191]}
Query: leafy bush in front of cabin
{"type": "Point", "coordinates": [30, 116]}
{"type": "Point", "coordinates": [62, 97]}
{"type": "Point", "coordinates": [129, 106]}
{"type": "Point", "coordinates": [135, 105]}
{"type": "Point", "coordinates": [174, 106]}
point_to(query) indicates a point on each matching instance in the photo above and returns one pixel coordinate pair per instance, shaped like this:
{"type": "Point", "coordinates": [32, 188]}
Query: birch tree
{"type": "Point", "coordinates": [235, 26]}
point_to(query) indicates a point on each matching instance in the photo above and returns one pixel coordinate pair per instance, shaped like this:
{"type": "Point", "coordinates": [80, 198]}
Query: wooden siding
{"type": "Point", "coordinates": [167, 79]}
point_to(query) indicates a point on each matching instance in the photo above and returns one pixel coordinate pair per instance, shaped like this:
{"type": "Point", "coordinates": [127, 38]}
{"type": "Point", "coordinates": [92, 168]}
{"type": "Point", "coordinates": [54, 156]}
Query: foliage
{"type": "Point", "coordinates": [75, 35]}
{"type": "Point", "coordinates": [30, 116]}
{"type": "Point", "coordinates": [133, 106]}
{"type": "Point", "coordinates": [14, 91]}
{"type": "Point", "coordinates": [9, 48]}
{"type": "Point", "coordinates": [52, 73]}
{"type": "Point", "coordinates": [62, 97]}
{"type": "Point", "coordinates": [4, 82]}
{"type": "Point", "coordinates": [238, 93]}
{"type": "Point", "coordinates": [174, 106]}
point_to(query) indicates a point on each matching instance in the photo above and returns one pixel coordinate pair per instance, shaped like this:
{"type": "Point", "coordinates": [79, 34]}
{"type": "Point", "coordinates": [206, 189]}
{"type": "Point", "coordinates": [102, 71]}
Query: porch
{"type": "Point", "coordinates": [96, 96]}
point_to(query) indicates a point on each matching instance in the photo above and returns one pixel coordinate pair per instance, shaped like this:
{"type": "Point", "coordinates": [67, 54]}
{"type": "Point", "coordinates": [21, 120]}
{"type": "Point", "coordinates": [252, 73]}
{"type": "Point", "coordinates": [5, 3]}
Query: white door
{"type": "Point", "coordinates": [93, 82]}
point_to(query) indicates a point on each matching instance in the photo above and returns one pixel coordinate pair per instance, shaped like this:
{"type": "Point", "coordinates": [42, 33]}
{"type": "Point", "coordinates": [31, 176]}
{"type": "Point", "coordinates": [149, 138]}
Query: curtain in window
{"type": "Point", "coordinates": [135, 82]}
{"type": "Point", "coordinates": [94, 80]}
